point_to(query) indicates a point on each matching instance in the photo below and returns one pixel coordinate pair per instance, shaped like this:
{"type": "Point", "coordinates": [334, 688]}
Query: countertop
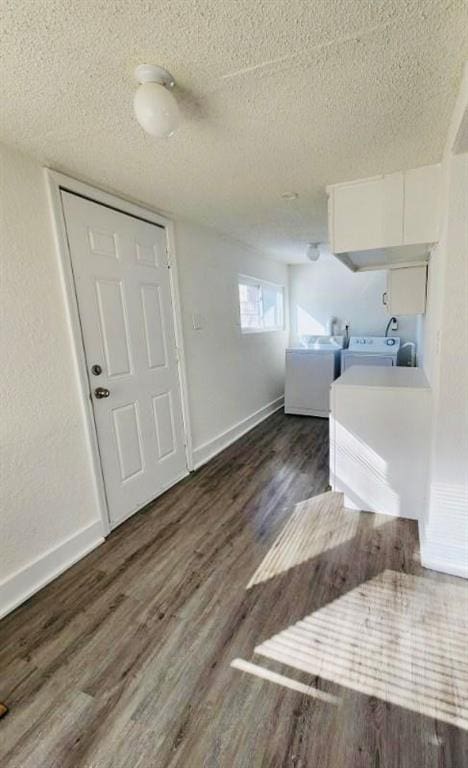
{"type": "Point", "coordinates": [383, 377]}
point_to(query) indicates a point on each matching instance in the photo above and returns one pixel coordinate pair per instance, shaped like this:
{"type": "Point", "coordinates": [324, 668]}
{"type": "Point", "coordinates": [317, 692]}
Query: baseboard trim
{"type": "Point", "coordinates": [34, 576]}
{"type": "Point", "coordinates": [209, 450]}
{"type": "Point", "coordinates": [445, 558]}
{"type": "Point", "coordinates": [307, 412]}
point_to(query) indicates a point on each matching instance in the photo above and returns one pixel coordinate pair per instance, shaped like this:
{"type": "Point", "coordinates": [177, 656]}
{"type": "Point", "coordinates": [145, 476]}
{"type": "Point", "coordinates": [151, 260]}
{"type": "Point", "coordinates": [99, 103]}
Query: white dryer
{"type": "Point", "coordinates": [310, 371]}
{"type": "Point", "coordinates": [370, 350]}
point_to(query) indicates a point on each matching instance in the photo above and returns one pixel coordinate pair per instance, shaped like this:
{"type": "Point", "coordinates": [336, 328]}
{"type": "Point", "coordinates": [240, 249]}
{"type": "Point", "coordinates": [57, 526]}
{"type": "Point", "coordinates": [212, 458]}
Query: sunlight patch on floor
{"type": "Point", "coordinates": [286, 682]}
{"type": "Point", "coordinates": [316, 525]}
{"type": "Point", "coordinates": [401, 638]}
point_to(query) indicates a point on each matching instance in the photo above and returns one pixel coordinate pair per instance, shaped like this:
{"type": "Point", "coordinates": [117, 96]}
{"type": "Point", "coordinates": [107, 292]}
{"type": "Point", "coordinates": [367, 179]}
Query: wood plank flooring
{"type": "Point", "coordinates": [224, 627]}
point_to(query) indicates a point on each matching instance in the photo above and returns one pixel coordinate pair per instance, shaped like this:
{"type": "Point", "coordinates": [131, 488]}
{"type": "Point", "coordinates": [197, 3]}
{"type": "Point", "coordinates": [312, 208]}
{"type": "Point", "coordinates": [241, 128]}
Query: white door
{"type": "Point", "coordinates": [123, 289]}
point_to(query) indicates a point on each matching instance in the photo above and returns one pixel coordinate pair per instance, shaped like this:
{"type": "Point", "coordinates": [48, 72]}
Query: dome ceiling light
{"type": "Point", "coordinates": [313, 251]}
{"type": "Point", "coordinates": [154, 105]}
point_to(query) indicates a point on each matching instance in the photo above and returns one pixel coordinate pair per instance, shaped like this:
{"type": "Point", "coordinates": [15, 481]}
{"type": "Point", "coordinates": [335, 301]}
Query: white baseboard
{"type": "Point", "coordinates": [446, 558]}
{"type": "Point", "coordinates": [30, 579]}
{"type": "Point", "coordinates": [208, 450]}
{"type": "Point", "coordinates": [307, 412]}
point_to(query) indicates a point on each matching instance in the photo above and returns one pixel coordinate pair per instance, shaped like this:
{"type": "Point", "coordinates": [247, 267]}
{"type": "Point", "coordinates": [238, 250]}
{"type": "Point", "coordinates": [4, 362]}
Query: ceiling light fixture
{"type": "Point", "coordinates": [313, 251]}
{"type": "Point", "coordinates": [155, 107]}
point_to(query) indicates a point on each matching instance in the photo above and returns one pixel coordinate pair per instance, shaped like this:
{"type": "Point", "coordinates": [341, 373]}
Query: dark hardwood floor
{"type": "Point", "coordinates": [126, 659]}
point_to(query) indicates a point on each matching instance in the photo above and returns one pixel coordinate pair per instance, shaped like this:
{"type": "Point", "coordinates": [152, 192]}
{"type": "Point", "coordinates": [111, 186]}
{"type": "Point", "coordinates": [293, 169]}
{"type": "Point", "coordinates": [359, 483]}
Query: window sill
{"type": "Point", "coordinates": [250, 331]}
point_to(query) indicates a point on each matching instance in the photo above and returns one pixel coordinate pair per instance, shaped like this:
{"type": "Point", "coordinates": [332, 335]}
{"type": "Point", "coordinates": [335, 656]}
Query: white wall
{"type": "Point", "coordinates": [231, 375]}
{"type": "Point", "coordinates": [47, 497]}
{"type": "Point", "coordinates": [444, 531]}
{"type": "Point", "coordinates": [327, 288]}
{"type": "Point", "coordinates": [49, 512]}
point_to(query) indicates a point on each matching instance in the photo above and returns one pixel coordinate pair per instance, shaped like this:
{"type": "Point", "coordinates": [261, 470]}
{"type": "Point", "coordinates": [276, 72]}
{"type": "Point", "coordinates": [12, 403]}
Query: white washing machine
{"type": "Point", "coordinates": [370, 350]}
{"type": "Point", "coordinates": [310, 372]}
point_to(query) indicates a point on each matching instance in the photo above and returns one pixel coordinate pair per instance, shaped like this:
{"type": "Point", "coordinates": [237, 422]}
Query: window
{"type": "Point", "coordinates": [261, 305]}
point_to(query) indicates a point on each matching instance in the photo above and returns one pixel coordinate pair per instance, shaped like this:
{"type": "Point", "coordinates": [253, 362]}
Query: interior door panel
{"type": "Point", "coordinates": [124, 297]}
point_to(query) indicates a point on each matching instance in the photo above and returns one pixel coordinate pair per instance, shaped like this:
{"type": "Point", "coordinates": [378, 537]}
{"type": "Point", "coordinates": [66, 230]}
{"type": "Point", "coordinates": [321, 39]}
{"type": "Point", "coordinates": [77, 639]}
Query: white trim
{"type": "Point", "coordinates": [33, 577]}
{"type": "Point", "coordinates": [177, 312]}
{"type": "Point", "coordinates": [257, 281]}
{"type": "Point", "coordinates": [55, 183]}
{"type": "Point", "coordinates": [308, 412]}
{"type": "Point", "coordinates": [208, 450]}
{"type": "Point", "coordinates": [346, 258]}
{"type": "Point", "coordinates": [397, 264]}
{"type": "Point", "coordinates": [446, 558]}
{"type": "Point", "coordinates": [276, 329]}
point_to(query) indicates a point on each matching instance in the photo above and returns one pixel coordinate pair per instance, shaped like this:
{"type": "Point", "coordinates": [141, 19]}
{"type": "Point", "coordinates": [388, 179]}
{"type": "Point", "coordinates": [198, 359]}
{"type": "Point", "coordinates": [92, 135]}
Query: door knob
{"type": "Point", "coordinates": [101, 392]}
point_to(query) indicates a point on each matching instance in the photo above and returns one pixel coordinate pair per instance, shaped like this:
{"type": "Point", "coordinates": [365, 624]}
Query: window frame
{"type": "Point", "coordinates": [258, 282]}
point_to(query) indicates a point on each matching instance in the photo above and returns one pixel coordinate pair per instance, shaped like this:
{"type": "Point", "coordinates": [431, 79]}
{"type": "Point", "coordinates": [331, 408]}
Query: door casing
{"type": "Point", "coordinates": [56, 182]}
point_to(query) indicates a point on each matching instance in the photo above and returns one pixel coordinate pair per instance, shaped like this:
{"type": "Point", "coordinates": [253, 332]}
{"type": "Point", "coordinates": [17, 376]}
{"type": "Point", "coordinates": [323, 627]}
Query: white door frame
{"type": "Point", "coordinates": [56, 182]}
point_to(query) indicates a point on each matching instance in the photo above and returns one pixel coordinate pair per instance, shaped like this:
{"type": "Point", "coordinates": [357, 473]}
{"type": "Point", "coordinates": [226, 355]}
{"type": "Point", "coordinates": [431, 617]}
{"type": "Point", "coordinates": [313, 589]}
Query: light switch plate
{"type": "Point", "coordinates": [197, 321]}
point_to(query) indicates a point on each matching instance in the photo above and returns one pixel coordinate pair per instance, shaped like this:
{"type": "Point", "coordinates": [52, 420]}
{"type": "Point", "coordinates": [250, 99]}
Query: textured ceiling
{"type": "Point", "coordinates": [277, 95]}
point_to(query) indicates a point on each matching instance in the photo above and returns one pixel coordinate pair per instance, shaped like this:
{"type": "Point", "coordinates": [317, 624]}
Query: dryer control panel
{"type": "Point", "coordinates": [375, 345]}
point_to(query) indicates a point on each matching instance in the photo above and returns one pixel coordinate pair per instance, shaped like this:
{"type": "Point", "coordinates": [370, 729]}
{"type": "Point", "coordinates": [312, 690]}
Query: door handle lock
{"type": "Point", "coordinates": [101, 392]}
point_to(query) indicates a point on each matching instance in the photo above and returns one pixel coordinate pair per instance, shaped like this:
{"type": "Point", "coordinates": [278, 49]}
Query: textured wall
{"type": "Point", "coordinates": [46, 489]}
{"type": "Point", "coordinates": [446, 525]}
{"type": "Point", "coordinates": [46, 492]}
{"type": "Point", "coordinates": [445, 529]}
{"type": "Point", "coordinates": [231, 375]}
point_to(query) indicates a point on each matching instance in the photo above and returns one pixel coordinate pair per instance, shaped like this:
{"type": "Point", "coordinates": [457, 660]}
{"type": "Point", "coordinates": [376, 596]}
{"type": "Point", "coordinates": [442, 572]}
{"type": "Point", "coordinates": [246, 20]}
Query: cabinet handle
{"type": "Point", "coordinates": [384, 298]}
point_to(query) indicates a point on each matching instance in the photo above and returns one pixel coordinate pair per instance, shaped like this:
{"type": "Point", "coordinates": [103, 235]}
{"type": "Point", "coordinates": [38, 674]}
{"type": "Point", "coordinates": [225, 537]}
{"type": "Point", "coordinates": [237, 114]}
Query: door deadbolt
{"type": "Point", "coordinates": [96, 370]}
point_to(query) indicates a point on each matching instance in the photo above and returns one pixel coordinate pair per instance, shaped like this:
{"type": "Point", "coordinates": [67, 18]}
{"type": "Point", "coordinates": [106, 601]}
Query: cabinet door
{"type": "Point", "coordinates": [406, 291]}
{"type": "Point", "coordinates": [421, 218]}
{"type": "Point", "coordinates": [368, 214]}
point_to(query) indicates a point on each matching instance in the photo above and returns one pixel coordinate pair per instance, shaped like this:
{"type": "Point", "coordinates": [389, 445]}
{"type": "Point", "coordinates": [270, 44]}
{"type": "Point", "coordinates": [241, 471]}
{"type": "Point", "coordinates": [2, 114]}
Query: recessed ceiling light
{"type": "Point", "coordinates": [289, 195]}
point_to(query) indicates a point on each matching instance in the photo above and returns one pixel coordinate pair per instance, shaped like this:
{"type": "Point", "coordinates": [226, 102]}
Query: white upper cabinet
{"type": "Point", "coordinates": [397, 209]}
{"type": "Point", "coordinates": [367, 214]}
{"type": "Point", "coordinates": [406, 291]}
{"type": "Point", "coordinates": [421, 215]}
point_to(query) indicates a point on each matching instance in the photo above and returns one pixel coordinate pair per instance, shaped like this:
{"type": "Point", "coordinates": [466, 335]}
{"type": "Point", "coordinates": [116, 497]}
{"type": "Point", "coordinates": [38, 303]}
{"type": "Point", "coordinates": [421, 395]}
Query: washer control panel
{"type": "Point", "coordinates": [374, 344]}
